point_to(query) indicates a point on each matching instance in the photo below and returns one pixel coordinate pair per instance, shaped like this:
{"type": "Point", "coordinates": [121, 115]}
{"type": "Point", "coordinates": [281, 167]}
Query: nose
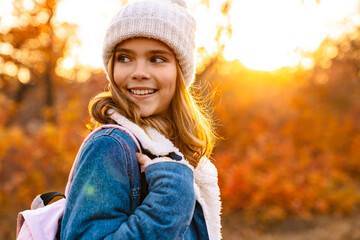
{"type": "Point", "coordinates": [140, 72]}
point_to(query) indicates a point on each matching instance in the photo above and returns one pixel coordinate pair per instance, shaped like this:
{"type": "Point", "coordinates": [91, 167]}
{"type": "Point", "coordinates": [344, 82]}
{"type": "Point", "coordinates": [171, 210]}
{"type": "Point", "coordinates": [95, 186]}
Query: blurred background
{"type": "Point", "coordinates": [285, 80]}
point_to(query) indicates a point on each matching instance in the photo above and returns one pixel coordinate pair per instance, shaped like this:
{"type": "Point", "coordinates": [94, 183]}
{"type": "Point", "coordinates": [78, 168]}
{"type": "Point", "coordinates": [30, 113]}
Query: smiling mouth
{"type": "Point", "coordinates": [142, 91]}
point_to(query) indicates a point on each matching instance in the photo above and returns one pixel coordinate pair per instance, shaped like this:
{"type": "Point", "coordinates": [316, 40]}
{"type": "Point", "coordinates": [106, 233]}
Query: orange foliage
{"type": "Point", "coordinates": [291, 143]}
{"type": "Point", "coordinates": [34, 164]}
{"type": "Point", "coordinates": [36, 156]}
{"type": "Point", "coordinates": [291, 148]}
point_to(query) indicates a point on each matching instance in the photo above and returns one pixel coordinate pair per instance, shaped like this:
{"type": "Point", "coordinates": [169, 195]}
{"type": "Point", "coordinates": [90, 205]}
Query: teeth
{"type": "Point", "coordinates": [142, 92]}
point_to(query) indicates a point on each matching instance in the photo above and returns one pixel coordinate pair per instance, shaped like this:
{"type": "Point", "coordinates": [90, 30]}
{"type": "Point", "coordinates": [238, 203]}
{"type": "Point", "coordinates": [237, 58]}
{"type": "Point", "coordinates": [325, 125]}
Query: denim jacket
{"type": "Point", "coordinates": [104, 201]}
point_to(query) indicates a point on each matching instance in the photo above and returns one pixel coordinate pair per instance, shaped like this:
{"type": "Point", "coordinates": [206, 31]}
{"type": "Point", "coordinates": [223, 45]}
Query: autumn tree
{"type": "Point", "coordinates": [292, 136]}
{"type": "Point", "coordinates": [30, 52]}
{"type": "Point", "coordinates": [222, 36]}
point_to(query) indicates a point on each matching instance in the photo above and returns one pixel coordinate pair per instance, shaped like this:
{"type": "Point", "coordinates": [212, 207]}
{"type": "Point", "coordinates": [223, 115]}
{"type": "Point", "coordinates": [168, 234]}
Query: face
{"type": "Point", "coordinates": [145, 70]}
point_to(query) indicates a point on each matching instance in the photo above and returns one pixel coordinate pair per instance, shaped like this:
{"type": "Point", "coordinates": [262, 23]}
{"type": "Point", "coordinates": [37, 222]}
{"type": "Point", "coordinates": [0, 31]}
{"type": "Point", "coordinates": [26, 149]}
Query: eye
{"type": "Point", "coordinates": [157, 60]}
{"type": "Point", "coordinates": [123, 59]}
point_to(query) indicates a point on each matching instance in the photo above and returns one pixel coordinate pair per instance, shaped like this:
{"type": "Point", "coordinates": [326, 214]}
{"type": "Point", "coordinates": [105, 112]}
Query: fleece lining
{"type": "Point", "coordinates": [206, 186]}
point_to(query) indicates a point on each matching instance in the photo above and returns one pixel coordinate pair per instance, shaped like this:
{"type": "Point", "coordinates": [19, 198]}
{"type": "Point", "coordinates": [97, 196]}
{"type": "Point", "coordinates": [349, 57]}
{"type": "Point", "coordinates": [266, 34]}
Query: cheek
{"type": "Point", "coordinates": [171, 86]}
{"type": "Point", "coordinates": [118, 77]}
{"type": "Point", "coordinates": [171, 79]}
{"type": "Point", "coordinates": [173, 89]}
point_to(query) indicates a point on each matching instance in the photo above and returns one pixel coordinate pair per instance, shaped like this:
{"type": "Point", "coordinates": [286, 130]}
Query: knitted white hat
{"type": "Point", "coordinates": [165, 20]}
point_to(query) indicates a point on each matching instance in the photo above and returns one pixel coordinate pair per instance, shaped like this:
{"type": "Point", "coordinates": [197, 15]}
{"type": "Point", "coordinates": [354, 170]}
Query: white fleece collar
{"type": "Point", "coordinates": [206, 187]}
{"type": "Point", "coordinates": [208, 195]}
{"type": "Point", "coordinates": [155, 142]}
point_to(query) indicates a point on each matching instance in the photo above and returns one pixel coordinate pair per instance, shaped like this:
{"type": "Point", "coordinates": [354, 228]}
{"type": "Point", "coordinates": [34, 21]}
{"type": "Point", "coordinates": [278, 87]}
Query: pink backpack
{"type": "Point", "coordinates": [42, 221]}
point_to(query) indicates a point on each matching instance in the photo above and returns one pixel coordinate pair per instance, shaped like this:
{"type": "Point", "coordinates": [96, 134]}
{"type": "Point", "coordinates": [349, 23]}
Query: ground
{"type": "Point", "coordinates": [235, 226]}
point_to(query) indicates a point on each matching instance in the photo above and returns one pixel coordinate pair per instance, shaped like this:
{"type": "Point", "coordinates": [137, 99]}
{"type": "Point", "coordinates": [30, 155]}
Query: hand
{"type": "Point", "coordinates": [142, 158]}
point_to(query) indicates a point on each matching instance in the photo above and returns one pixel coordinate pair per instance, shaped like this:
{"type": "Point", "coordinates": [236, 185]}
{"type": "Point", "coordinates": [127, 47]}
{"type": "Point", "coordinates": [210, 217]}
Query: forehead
{"type": "Point", "coordinates": [145, 44]}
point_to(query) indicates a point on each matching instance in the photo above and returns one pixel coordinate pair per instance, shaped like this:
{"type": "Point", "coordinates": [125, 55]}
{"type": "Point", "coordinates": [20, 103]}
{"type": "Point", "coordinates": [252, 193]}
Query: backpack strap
{"type": "Point", "coordinates": [44, 199]}
{"type": "Point", "coordinates": [47, 197]}
{"type": "Point", "coordinates": [72, 172]}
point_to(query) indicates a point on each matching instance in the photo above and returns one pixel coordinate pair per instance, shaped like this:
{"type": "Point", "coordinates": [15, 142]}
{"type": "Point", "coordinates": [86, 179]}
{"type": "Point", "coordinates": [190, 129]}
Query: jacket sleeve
{"type": "Point", "coordinates": [98, 205]}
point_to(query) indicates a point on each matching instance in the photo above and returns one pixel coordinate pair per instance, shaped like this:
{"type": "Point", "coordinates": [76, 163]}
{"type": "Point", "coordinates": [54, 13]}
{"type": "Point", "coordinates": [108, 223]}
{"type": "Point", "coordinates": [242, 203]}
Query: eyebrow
{"type": "Point", "coordinates": [123, 50]}
{"type": "Point", "coordinates": [160, 52]}
{"type": "Point", "coordinates": [156, 51]}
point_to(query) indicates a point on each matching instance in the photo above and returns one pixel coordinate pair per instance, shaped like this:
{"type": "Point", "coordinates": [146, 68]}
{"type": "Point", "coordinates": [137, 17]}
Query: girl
{"type": "Point", "coordinates": [172, 191]}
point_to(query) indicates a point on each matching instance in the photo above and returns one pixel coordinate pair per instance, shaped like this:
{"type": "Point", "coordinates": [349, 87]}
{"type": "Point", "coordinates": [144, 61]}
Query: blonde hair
{"type": "Point", "coordinates": [189, 125]}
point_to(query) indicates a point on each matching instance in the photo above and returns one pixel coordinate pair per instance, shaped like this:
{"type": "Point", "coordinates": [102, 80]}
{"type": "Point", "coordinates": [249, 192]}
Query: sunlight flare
{"type": "Point", "coordinates": [268, 35]}
{"type": "Point", "coordinates": [92, 24]}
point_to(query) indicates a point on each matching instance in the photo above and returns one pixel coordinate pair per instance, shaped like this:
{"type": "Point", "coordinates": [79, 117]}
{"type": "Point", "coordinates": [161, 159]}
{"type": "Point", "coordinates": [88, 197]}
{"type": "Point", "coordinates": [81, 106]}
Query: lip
{"type": "Point", "coordinates": [142, 88]}
{"type": "Point", "coordinates": [144, 96]}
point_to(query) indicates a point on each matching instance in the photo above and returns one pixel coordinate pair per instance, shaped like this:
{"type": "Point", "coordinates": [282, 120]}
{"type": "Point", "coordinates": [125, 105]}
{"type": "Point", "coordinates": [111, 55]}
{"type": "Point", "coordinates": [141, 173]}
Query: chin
{"type": "Point", "coordinates": [145, 114]}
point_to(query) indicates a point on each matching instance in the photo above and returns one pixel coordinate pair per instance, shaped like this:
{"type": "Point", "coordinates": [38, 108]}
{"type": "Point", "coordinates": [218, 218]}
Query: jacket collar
{"type": "Point", "coordinates": [206, 187]}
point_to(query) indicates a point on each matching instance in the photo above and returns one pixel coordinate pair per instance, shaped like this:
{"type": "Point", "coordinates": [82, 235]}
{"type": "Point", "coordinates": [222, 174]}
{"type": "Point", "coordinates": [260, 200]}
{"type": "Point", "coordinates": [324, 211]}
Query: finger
{"type": "Point", "coordinates": [142, 158]}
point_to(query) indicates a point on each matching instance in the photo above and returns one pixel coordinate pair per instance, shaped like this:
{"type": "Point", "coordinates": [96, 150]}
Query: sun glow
{"type": "Point", "coordinates": [92, 22]}
{"type": "Point", "coordinates": [6, 18]}
{"type": "Point", "coordinates": [268, 35]}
